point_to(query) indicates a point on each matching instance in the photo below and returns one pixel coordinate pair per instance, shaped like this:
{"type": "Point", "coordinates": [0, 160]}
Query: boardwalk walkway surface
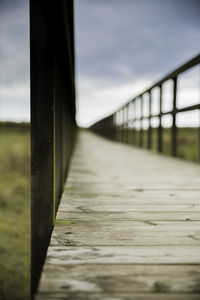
{"type": "Point", "coordinates": [128, 227]}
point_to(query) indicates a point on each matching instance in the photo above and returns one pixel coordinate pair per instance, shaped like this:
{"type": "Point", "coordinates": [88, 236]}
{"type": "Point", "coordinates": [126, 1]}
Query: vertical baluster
{"type": "Point", "coordinates": [133, 122]}
{"type": "Point", "coordinates": [114, 126]}
{"type": "Point", "coordinates": [150, 129]}
{"type": "Point", "coordinates": [174, 128]}
{"type": "Point", "coordinates": [141, 121]}
{"type": "Point", "coordinates": [127, 123]}
{"type": "Point", "coordinates": [199, 139]}
{"type": "Point", "coordinates": [124, 124]}
{"type": "Point", "coordinates": [121, 124]}
{"type": "Point", "coordinates": [136, 121]}
{"type": "Point", "coordinates": [160, 122]}
{"type": "Point", "coordinates": [117, 125]}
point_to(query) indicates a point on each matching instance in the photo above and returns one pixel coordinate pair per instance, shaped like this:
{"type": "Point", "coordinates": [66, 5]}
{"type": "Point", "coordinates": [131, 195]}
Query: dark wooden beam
{"type": "Point", "coordinates": [52, 118]}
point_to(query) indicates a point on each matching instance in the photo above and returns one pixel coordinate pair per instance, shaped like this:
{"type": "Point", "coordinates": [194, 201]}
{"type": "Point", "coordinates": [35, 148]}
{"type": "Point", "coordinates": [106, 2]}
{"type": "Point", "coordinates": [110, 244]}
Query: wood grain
{"type": "Point", "coordinates": [128, 227]}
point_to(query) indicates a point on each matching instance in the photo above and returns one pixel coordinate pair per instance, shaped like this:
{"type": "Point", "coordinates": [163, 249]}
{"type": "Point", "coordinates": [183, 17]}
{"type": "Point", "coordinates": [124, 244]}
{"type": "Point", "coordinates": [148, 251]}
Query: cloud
{"type": "Point", "coordinates": [19, 89]}
{"type": "Point", "coordinates": [122, 43]}
{"type": "Point", "coordinates": [121, 46]}
{"type": "Point", "coordinates": [14, 42]}
{"type": "Point", "coordinates": [147, 36]}
{"type": "Point", "coordinates": [14, 60]}
{"type": "Point", "coordinates": [96, 100]}
{"type": "Point", "coordinates": [15, 105]}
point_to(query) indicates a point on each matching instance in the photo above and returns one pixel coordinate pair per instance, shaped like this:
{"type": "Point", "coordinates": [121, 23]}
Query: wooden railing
{"type": "Point", "coordinates": [52, 118]}
{"type": "Point", "coordinates": [121, 124]}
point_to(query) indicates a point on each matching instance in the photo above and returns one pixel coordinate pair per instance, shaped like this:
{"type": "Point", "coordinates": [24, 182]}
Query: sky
{"type": "Point", "coordinates": [14, 60]}
{"type": "Point", "coordinates": [122, 46]}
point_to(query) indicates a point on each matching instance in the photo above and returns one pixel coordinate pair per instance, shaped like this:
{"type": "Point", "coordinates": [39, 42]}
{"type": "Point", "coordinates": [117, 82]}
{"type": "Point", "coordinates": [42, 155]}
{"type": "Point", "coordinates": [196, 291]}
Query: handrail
{"type": "Point", "coordinates": [53, 124]}
{"type": "Point", "coordinates": [109, 126]}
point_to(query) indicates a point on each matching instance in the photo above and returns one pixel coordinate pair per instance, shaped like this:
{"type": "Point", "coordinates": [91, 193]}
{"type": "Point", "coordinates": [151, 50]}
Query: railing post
{"type": "Point", "coordinates": [199, 139]}
{"type": "Point", "coordinates": [42, 142]}
{"type": "Point", "coordinates": [174, 128]}
{"type": "Point", "coordinates": [160, 122]}
{"type": "Point", "coordinates": [133, 123]}
{"type": "Point", "coordinates": [112, 129]}
{"type": "Point", "coordinates": [122, 124]}
{"type": "Point", "coordinates": [117, 126]}
{"type": "Point", "coordinates": [51, 77]}
{"type": "Point", "coordinates": [141, 121]}
{"type": "Point", "coordinates": [127, 123]}
{"type": "Point", "coordinates": [150, 129]}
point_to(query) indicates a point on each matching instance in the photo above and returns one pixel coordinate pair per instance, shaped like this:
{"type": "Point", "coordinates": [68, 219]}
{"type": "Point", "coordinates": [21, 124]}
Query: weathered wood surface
{"type": "Point", "coordinates": [128, 227]}
{"type": "Point", "coordinates": [116, 296]}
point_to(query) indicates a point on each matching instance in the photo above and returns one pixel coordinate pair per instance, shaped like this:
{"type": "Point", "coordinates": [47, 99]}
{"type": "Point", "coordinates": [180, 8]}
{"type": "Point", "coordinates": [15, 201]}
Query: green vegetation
{"type": "Point", "coordinates": [15, 199]}
{"type": "Point", "coordinates": [187, 141]}
{"type": "Point", "coordinates": [14, 211]}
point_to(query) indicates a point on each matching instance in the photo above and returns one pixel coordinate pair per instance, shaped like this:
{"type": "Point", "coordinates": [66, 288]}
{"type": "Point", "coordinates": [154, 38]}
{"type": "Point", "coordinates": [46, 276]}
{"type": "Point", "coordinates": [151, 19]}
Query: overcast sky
{"type": "Point", "coordinates": [122, 46]}
{"type": "Point", "coordinates": [14, 60]}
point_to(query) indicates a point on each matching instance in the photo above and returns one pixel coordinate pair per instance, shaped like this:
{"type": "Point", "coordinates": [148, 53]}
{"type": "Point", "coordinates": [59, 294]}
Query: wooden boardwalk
{"type": "Point", "coordinates": [128, 227]}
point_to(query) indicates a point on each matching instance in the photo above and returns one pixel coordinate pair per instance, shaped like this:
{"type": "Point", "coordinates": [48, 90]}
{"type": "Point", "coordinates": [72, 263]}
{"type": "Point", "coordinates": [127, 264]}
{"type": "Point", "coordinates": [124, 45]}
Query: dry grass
{"type": "Point", "coordinates": [187, 141]}
{"type": "Point", "coordinates": [14, 213]}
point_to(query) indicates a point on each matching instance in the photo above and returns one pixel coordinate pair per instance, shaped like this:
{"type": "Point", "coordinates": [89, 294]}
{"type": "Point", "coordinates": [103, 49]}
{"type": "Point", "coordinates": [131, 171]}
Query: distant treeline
{"type": "Point", "coordinates": [14, 125]}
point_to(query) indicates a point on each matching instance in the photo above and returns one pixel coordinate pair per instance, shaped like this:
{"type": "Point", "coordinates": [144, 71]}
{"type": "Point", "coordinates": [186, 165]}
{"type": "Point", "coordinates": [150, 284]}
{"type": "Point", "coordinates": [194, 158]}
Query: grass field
{"type": "Point", "coordinates": [187, 141]}
{"type": "Point", "coordinates": [14, 212]}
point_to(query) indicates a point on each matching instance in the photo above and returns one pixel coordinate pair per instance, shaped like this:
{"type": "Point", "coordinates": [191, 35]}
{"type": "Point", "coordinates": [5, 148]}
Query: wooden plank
{"type": "Point", "coordinates": [169, 198]}
{"type": "Point", "coordinates": [135, 216]}
{"type": "Point", "coordinates": [141, 204]}
{"type": "Point", "coordinates": [129, 208]}
{"type": "Point", "coordinates": [66, 255]}
{"type": "Point", "coordinates": [128, 227]}
{"type": "Point", "coordinates": [115, 296]}
{"type": "Point", "coordinates": [123, 233]}
{"type": "Point", "coordinates": [139, 183]}
{"type": "Point", "coordinates": [73, 224]}
{"type": "Point", "coordinates": [157, 225]}
{"type": "Point", "coordinates": [102, 240]}
{"type": "Point", "coordinates": [138, 195]}
{"type": "Point", "coordinates": [121, 278]}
